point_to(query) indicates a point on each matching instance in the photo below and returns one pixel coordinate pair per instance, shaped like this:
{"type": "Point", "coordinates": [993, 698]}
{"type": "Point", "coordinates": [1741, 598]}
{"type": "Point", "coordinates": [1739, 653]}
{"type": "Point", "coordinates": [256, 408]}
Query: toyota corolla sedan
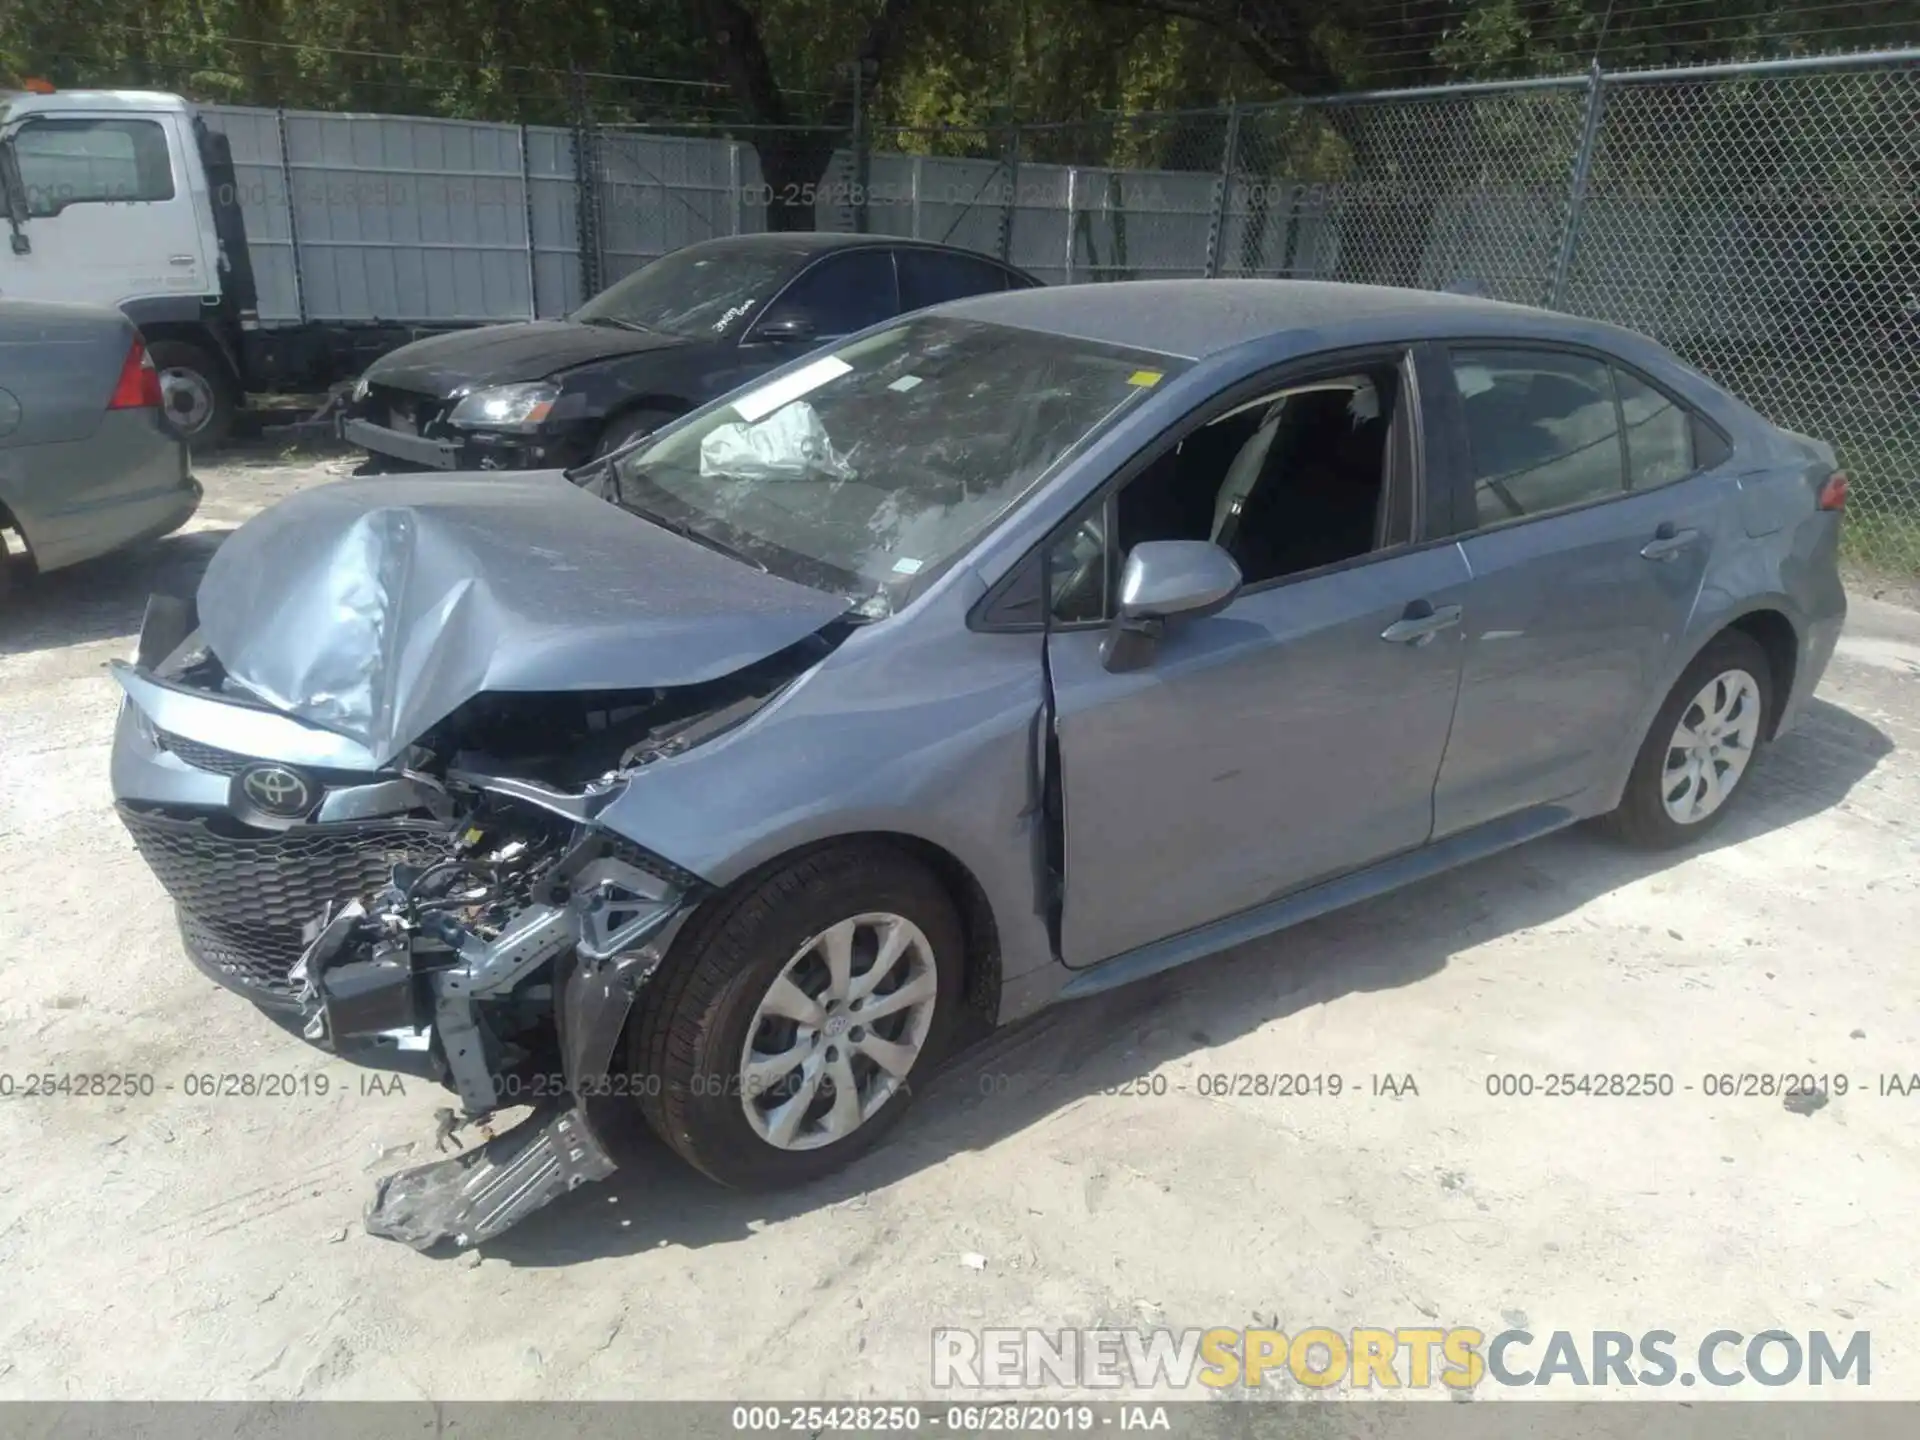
{"type": "Point", "coordinates": [1003, 653]}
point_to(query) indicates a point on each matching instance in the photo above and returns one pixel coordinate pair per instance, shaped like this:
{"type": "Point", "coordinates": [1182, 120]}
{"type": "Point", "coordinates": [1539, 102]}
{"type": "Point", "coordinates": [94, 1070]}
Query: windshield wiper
{"type": "Point", "coordinates": [613, 324]}
{"type": "Point", "coordinates": [687, 532]}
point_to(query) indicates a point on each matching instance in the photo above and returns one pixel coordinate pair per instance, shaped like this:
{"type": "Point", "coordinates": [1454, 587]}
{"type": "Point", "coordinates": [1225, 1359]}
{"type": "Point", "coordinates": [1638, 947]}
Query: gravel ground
{"type": "Point", "coordinates": [1067, 1173]}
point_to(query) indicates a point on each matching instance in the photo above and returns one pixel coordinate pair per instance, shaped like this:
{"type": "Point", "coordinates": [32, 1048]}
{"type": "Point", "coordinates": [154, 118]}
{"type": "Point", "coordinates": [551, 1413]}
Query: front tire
{"type": "Point", "coordinates": [761, 1072]}
{"type": "Point", "coordinates": [198, 399]}
{"type": "Point", "coordinates": [624, 429]}
{"type": "Point", "coordinates": [1700, 748]}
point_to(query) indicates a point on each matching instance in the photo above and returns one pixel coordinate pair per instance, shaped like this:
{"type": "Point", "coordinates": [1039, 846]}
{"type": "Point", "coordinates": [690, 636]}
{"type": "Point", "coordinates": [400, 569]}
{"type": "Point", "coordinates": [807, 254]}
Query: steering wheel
{"type": "Point", "coordinates": [1087, 579]}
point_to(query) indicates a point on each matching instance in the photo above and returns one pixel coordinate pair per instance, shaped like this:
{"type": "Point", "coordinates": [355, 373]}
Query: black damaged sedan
{"type": "Point", "coordinates": [673, 335]}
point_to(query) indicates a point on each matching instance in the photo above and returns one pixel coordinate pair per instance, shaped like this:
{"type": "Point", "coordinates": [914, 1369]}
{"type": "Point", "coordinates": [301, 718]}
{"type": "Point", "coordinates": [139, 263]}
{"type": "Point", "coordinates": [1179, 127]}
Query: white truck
{"type": "Point", "coordinates": [127, 198]}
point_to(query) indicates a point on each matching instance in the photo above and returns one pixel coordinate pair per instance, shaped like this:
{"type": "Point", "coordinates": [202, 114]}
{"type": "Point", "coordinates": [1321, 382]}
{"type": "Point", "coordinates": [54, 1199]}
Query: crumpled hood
{"type": "Point", "coordinates": [374, 608]}
{"type": "Point", "coordinates": [445, 365]}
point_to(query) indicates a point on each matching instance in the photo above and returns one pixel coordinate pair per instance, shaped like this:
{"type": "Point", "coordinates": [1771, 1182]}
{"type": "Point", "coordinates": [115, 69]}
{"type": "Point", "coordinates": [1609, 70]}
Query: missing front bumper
{"type": "Point", "coordinates": [383, 973]}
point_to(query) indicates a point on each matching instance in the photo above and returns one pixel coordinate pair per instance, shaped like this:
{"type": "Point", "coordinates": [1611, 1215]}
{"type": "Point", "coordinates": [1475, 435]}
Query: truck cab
{"type": "Point", "coordinates": [109, 201]}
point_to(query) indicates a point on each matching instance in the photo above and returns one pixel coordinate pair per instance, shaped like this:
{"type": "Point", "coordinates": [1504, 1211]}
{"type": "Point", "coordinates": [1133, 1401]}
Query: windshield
{"type": "Point", "coordinates": [870, 465]}
{"type": "Point", "coordinates": [697, 291]}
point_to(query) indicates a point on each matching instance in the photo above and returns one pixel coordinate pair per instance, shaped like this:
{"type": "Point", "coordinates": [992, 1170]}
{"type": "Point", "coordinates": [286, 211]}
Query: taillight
{"type": "Point", "coordinates": [1833, 494]}
{"type": "Point", "coordinates": [139, 384]}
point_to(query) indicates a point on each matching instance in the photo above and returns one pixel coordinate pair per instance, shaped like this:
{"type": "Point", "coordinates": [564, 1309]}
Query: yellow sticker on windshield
{"type": "Point", "coordinates": [1145, 377]}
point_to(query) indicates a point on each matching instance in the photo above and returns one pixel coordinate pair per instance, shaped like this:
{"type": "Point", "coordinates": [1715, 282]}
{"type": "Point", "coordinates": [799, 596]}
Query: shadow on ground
{"type": "Point", "coordinates": [1004, 1082]}
{"type": "Point", "coordinates": [102, 599]}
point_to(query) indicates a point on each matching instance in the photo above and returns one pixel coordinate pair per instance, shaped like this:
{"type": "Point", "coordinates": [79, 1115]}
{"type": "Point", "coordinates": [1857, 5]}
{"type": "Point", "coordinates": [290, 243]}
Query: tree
{"type": "Point", "coordinates": [794, 153]}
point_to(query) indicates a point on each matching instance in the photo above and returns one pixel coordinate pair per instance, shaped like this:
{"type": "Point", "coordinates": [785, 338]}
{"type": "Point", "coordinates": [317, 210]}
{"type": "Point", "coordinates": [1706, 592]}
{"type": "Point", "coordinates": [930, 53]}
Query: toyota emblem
{"type": "Point", "coordinates": [276, 790]}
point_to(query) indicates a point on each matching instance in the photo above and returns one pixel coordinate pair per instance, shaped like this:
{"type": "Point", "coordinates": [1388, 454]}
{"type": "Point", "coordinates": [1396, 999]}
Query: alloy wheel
{"type": "Point", "coordinates": [1711, 747]}
{"type": "Point", "coordinates": [837, 1031]}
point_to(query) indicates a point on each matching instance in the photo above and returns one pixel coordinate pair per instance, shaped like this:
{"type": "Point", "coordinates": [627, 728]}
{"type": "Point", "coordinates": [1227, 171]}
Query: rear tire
{"type": "Point", "coordinates": [631, 426]}
{"type": "Point", "coordinates": [198, 398]}
{"type": "Point", "coordinates": [1681, 787]}
{"type": "Point", "coordinates": [746, 961]}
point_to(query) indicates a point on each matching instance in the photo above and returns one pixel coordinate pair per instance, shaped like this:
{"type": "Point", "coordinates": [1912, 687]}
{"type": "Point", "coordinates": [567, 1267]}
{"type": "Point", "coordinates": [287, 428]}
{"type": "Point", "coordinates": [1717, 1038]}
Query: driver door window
{"type": "Point", "coordinates": [839, 295]}
{"type": "Point", "coordinates": [83, 161]}
{"type": "Point", "coordinates": [1308, 476]}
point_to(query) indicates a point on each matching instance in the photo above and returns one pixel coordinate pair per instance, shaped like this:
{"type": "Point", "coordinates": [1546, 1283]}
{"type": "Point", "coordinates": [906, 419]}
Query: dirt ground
{"type": "Point", "coordinates": [1068, 1173]}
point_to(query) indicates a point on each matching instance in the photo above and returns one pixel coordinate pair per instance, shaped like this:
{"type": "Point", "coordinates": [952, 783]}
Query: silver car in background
{"type": "Point", "coordinates": [1009, 651]}
{"type": "Point", "coordinates": [85, 464]}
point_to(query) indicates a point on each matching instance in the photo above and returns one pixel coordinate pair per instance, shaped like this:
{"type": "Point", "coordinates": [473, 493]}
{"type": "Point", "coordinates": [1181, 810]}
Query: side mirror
{"type": "Point", "coordinates": [1166, 580]}
{"type": "Point", "coordinates": [785, 328]}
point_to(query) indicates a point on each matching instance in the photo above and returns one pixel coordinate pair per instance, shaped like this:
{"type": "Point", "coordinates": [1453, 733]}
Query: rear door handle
{"type": "Point", "coordinates": [180, 260]}
{"type": "Point", "coordinates": [1668, 543]}
{"type": "Point", "coordinates": [1421, 623]}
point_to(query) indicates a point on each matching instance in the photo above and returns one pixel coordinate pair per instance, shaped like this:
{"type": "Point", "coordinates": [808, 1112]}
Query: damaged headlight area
{"type": "Point", "coordinates": [511, 962]}
{"type": "Point", "coordinates": [506, 407]}
{"type": "Point", "coordinates": [374, 763]}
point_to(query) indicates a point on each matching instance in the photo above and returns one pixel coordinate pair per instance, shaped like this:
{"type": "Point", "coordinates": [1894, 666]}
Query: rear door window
{"type": "Point", "coordinates": [928, 277]}
{"type": "Point", "coordinates": [842, 293]}
{"type": "Point", "coordinates": [1543, 431]}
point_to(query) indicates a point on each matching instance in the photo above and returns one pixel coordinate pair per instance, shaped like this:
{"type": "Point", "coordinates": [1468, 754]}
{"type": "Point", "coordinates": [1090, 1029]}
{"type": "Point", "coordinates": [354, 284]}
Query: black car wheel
{"type": "Point", "coordinates": [782, 1035]}
{"type": "Point", "coordinates": [197, 396]}
{"type": "Point", "coordinates": [1700, 747]}
{"type": "Point", "coordinates": [624, 429]}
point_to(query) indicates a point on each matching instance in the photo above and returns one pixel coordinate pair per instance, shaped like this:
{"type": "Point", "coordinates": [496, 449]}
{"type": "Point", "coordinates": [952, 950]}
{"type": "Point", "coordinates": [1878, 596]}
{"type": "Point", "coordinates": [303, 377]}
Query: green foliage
{"type": "Point", "coordinates": [959, 65]}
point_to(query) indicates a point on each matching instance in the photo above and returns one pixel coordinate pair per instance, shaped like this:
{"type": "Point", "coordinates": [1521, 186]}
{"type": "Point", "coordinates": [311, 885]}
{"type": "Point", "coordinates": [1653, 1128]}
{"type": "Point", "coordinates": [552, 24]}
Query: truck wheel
{"type": "Point", "coordinates": [197, 397]}
{"type": "Point", "coordinates": [785, 1031]}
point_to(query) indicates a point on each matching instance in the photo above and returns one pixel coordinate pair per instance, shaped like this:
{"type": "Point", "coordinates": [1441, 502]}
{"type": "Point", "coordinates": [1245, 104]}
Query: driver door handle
{"type": "Point", "coordinates": [1668, 543]}
{"type": "Point", "coordinates": [1421, 623]}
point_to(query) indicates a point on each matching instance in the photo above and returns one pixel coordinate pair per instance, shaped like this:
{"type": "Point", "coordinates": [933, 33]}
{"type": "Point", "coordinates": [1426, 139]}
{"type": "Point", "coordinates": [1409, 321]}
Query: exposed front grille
{"type": "Point", "coordinates": [244, 898]}
{"type": "Point", "coordinates": [202, 757]}
{"type": "Point", "coordinates": [401, 410]}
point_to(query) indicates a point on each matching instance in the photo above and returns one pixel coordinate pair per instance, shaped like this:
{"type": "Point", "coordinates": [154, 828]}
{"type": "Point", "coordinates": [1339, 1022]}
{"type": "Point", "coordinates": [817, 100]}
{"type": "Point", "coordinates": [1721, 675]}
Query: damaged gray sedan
{"type": "Point", "coordinates": [1017, 649]}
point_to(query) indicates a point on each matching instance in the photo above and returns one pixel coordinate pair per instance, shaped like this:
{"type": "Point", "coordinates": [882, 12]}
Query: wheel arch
{"type": "Point", "coordinates": [201, 337]}
{"type": "Point", "coordinates": [1768, 622]}
{"type": "Point", "coordinates": [981, 964]}
{"type": "Point", "coordinates": [1780, 639]}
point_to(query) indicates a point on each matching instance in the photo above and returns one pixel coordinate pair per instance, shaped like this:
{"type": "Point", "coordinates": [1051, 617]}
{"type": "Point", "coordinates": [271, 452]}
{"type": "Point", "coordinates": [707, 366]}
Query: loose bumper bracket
{"type": "Point", "coordinates": [469, 1198]}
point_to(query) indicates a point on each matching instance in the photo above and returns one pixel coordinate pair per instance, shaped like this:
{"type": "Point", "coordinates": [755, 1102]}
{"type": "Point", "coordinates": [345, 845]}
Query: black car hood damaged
{"type": "Point", "coordinates": [447, 365]}
{"type": "Point", "coordinates": [374, 608]}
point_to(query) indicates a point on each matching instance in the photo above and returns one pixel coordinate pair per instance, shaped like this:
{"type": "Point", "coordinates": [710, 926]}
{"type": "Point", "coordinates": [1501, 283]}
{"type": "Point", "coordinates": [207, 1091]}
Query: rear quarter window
{"type": "Point", "coordinates": [929, 277]}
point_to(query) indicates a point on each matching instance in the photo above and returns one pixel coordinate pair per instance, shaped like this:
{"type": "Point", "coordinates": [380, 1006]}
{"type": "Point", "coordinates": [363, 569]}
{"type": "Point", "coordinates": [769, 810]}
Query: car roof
{"type": "Point", "coordinates": [1193, 319]}
{"type": "Point", "coordinates": [809, 243]}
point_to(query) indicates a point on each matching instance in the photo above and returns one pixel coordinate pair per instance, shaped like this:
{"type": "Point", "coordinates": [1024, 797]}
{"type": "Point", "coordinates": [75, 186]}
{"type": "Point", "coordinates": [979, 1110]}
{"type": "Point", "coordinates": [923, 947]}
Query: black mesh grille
{"type": "Point", "coordinates": [202, 757]}
{"type": "Point", "coordinates": [244, 899]}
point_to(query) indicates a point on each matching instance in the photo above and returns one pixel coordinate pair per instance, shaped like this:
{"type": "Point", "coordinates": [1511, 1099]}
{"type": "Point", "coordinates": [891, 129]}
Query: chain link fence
{"type": "Point", "coordinates": [1762, 220]}
{"type": "Point", "coordinates": [1766, 226]}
